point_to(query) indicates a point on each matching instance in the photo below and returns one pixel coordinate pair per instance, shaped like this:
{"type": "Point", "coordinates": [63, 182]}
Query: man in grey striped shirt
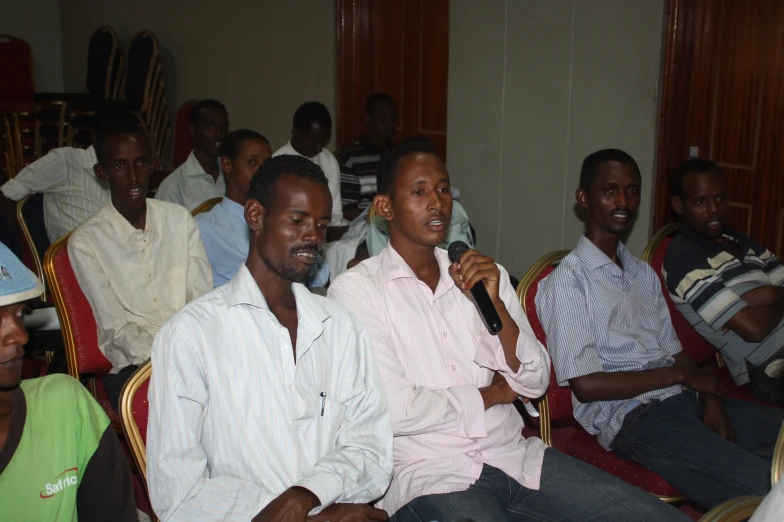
{"type": "Point", "coordinates": [611, 339]}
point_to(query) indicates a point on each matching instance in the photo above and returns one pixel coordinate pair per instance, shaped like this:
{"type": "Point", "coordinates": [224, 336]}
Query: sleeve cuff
{"type": "Point", "coordinates": [491, 353]}
{"type": "Point", "coordinates": [473, 411]}
{"type": "Point", "coordinates": [14, 190]}
{"type": "Point", "coordinates": [325, 486]}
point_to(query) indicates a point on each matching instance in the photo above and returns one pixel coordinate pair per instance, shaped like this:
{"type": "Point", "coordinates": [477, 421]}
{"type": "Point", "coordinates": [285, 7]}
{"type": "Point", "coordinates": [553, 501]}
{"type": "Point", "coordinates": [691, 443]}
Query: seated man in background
{"type": "Point", "coordinates": [612, 341]}
{"type": "Point", "coordinates": [728, 286]}
{"type": "Point", "coordinates": [450, 384]}
{"type": "Point", "coordinates": [310, 134]}
{"type": "Point", "coordinates": [223, 229]}
{"type": "Point", "coordinates": [137, 260]}
{"type": "Point", "coordinates": [65, 176]}
{"type": "Point", "coordinates": [200, 177]}
{"type": "Point", "coordinates": [60, 459]}
{"type": "Point", "coordinates": [265, 401]}
{"type": "Point", "coordinates": [358, 162]}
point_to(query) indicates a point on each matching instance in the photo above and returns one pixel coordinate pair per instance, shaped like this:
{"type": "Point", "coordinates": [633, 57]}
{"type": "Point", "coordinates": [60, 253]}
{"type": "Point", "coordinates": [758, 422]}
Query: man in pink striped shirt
{"type": "Point", "coordinates": [458, 449]}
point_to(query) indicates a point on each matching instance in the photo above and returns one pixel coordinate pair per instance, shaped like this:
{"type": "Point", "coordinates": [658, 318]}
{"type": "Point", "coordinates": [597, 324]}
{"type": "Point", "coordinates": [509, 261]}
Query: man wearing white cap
{"type": "Point", "coordinates": [60, 459]}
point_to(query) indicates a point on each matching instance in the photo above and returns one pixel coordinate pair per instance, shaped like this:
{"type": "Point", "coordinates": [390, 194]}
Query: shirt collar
{"type": "Point", "coordinates": [233, 208]}
{"type": "Point", "coordinates": [364, 142]}
{"type": "Point", "coordinates": [125, 230]}
{"type": "Point", "coordinates": [243, 290]}
{"type": "Point", "coordinates": [592, 257]}
{"type": "Point", "coordinates": [709, 246]}
{"type": "Point", "coordinates": [90, 159]}
{"type": "Point", "coordinates": [395, 267]}
{"type": "Point", "coordinates": [192, 167]}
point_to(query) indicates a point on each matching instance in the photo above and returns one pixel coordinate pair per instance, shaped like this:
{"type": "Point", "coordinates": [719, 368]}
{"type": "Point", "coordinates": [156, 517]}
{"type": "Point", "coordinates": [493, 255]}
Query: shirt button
{"type": "Point", "coordinates": [154, 299]}
{"type": "Point", "coordinates": [149, 275]}
{"type": "Point", "coordinates": [444, 334]}
{"type": "Point", "coordinates": [290, 386]}
{"type": "Point", "coordinates": [454, 367]}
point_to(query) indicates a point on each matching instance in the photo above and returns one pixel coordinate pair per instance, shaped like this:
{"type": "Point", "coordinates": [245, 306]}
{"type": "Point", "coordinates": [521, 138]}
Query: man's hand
{"type": "Point", "coordinates": [350, 513]}
{"type": "Point", "coordinates": [716, 419]}
{"type": "Point", "coordinates": [699, 380]}
{"type": "Point", "coordinates": [498, 392]}
{"type": "Point", "coordinates": [293, 505]}
{"type": "Point", "coordinates": [473, 268]}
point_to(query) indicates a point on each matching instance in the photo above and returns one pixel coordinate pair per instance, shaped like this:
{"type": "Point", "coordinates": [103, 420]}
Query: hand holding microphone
{"type": "Point", "coordinates": [478, 274]}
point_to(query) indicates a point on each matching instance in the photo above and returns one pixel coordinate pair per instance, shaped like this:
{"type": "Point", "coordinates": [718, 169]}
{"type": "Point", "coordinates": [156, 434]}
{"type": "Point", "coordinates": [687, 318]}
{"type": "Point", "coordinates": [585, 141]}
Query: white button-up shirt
{"type": "Point", "coordinates": [434, 353]}
{"type": "Point", "coordinates": [136, 279]}
{"type": "Point", "coordinates": [235, 421]}
{"type": "Point", "coordinates": [329, 164]}
{"type": "Point", "coordinates": [72, 192]}
{"type": "Point", "coordinates": [190, 186]}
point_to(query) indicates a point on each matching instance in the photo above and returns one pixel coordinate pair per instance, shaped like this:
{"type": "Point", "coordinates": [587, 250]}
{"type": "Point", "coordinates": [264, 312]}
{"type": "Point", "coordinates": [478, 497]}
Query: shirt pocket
{"type": "Point", "coordinates": [327, 423]}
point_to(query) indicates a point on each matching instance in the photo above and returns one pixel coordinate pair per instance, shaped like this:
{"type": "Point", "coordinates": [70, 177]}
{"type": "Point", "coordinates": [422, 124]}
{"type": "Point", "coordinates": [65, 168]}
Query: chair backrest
{"type": "Point", "coordinates": [142, 65]}
{"type": "Point", "coordinates": [104, 61]}
{"type": "Point", "coordinates": [16, 69]}
{"type": "Point", "coordinates": [30, 214]}
{"type": "Point", "coordinates": [80, 332]}
{"type": "Point", "coordinates": [134, 412]}
{"type": "Point", "coordinates": [694, 345]}
{"type": "Point", "coordinates": [182, 135]}
{"type": "Point", "coordinates": [559, 399]}
{"type": "Point", "coordinates": [777, 468]}
{"type": "Point", "coordinates": [206, 206]}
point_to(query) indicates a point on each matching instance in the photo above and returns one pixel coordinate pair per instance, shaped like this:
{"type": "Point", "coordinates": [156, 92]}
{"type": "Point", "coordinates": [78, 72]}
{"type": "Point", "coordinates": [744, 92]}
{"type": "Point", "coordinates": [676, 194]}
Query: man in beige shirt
{"type": "Point", "coordinates": [138, 261]}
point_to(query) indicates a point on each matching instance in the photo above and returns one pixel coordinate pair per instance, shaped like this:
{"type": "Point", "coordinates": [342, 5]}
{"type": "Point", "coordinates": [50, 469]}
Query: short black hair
{"type": "Point", "coordinates": [230, 146]}
{"type": "Point", "coordinates": [387, 168]}
{"type": "Point", "coordinates": [312, 113]}
{"type": "Point", "coordinates": [693, 165]}
{"type": "Point", "coordinates": [378, 97]}
{"type": "Point", "coordinates": [116, 129]}
{"type": "Point", "coordinates": [592, 162]}
{"type": "Point", "coordinates": [262, 186]}
{"type": "Point", "coordinates": [112, 113]}
{"type": "Point", "coordinates": [197, 107]}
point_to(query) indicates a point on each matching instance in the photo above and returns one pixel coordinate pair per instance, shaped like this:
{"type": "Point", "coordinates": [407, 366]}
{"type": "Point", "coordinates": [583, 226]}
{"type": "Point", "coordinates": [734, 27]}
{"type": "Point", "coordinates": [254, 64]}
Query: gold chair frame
{"type": "Point", "coordinates": [777, 465]}
{"type": "Point", "coordinates": [734, 510]}
{"type": "Point", "coordinates": [132, 434]}
{"type": "Point", "coordinates": [543, 405]}
{"type": "Point", "coordinates": [206, 206]}
{"type": "Point", "coordinates": [39, 269]}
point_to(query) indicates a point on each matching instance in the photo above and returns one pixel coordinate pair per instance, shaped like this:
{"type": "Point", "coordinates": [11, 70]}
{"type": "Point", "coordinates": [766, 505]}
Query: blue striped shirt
{"type": "Point", "coordinates": [235, 421]}
{"type": "Point", "coordinates": [601, 318]}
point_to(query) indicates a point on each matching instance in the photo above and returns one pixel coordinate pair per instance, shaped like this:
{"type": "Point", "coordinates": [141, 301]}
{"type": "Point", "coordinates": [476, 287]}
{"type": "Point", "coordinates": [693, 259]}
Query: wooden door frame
{"type": "Point", "coordinates": [662, 212]}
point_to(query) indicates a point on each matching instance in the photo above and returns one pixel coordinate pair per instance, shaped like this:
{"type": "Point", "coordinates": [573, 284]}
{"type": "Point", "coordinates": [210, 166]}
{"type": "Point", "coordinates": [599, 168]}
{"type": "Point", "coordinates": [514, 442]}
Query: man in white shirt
{"type": "Point", "coordinates": [265, 401]}
{"type": "Point", "coordinates": [137, 261]}
{"type": "Point", "coordinates": [458, 449]}
{"type": "Point", "coordinates": [310, 134]}
{"type": "Point", "coordinates": [200, 177]}
{"type": "Point", "coordinates": [72, 192]}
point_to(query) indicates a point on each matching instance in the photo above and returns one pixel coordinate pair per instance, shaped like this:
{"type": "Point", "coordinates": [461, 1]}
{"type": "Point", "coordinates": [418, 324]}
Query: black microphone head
{"type": "Point", "coordinates": [456, 251]}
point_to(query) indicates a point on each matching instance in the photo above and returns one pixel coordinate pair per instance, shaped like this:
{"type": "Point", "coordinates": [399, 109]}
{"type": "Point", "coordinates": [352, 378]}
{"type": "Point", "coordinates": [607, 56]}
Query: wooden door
{"type": "Point", "coordinates": [723, 98]}
{"type": "Point", "coordinates": [400, 47]}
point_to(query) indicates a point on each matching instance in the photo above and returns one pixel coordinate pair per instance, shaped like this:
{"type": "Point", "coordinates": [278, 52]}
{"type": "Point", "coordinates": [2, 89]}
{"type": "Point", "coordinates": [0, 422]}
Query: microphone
{"type": "Point", "coordinates": [478, 292]}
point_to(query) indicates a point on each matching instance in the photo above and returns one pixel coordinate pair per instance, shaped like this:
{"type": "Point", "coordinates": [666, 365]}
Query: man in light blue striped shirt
{"type": "Point", "coordinates": [611, 339]}
{"type": "Point", "coordinates": [265, 401]}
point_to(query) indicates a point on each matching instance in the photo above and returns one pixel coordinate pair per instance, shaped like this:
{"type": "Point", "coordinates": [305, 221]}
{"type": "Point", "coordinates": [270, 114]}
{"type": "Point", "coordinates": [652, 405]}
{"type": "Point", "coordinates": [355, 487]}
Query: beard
{"type": "Point", "coordinates": [286, 270]}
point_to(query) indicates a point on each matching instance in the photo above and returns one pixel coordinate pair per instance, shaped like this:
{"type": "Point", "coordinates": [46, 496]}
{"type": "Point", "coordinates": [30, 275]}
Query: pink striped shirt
{"type": "Point", "coordinates": [434, 353]}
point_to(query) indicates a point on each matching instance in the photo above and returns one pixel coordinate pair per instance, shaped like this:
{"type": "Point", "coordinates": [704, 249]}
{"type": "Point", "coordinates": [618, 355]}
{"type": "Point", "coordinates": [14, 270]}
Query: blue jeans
{"type": "Point", "coordinates": [670, 438]}
{"type": "Point", "coordinates": [569, 490]}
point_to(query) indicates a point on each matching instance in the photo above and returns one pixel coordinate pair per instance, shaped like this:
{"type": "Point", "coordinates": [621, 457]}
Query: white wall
{"type": "Point", "coordinates": [534, 87]}
{"type": "Point", "coordinates": [38, 22]}
{"type": "Point", "coordinates": [261, 58]}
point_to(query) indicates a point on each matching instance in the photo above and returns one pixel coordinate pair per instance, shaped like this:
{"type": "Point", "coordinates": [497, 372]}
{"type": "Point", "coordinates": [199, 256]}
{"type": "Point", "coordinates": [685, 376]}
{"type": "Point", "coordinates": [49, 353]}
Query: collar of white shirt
{"type": "Point", "coordinates": [311, 313]}
{"type": "Point", "coordinates": [90, 159]}
{"type": "Point", "coordinates": [125, 230]}
{"type": "Point", "coordinates": [192, 167]}
{"type": "Point", "coordinates": [395, 267]}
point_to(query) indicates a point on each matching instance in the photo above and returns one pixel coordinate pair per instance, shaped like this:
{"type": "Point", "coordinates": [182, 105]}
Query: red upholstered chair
{"type": "Point", "coordinates": [556, 406]}
{"type": "Point", "coordinates": [77, 322]}
{"type": "Point", "coordinates": [134, 411]}
{"type": "Point", "coordinates": [694, 345]}
{"type": "Point", "coordinates": [182, 134]}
